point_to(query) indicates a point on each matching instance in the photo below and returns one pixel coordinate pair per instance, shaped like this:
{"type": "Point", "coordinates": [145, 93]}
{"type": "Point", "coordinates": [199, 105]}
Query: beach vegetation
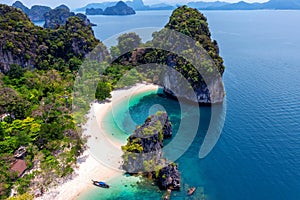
{"type": "Point", "coordinates": [103, 91]}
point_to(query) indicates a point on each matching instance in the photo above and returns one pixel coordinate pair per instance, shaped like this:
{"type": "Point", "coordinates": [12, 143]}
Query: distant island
{"type": "Point", "coordinates": [135, 4]}
{"type": "Point", "coordinates": [94, 11]}
{"type": "Point", "coordinates": [59, 15]}
{"type": "Point", "coordinates": [120, 8]}
{"type": "Point", "coordinates": [270, 5]}
{"type": "Point", "coordinates": [36, 13]}
{"type": "Point", "coordinates": [52, 17]}
{"type": "Point", "coordinates": [202, 5]}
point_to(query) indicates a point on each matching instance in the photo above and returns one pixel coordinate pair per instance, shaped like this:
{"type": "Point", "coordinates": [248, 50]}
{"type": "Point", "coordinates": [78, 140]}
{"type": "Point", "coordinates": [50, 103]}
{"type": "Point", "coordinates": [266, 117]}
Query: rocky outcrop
{"type": "Point", "coordinates": [169, 177]}
{"type": "Point", "coordinates": [52, 17]}
{"type": "Point", "coordinates": [94, 11]}
{"type": "Point", "coordinates": [58, 16]}
{"type": "Point", "coordinates": [146, 143]}
{"type": "Point", "coordinates": [120, 8]}
{"type": "Point", "coordinates": [195, 66]}
{"type": "Point", "coordinates": [143, 152]}
{"type": "Point", "coordinates": [36, 13]}
{"type": "Point", "coordinates": [202, 68]}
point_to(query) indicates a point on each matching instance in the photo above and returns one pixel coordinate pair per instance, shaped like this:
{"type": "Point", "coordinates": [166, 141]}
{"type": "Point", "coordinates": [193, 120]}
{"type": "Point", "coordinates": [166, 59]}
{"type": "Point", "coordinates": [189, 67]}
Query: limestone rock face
{"type": "Point", "coordinates": [210, 93]}
{"type": "Point", "coordinates": [146, 143]}
{"type": "Point", "coordinates": [169, 177]}
{"type": "Point", "coordinates": [143, 152]}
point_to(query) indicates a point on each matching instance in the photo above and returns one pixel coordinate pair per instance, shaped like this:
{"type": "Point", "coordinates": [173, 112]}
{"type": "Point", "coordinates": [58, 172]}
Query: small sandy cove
{"type": "Point", "coordinates": [89, 166]}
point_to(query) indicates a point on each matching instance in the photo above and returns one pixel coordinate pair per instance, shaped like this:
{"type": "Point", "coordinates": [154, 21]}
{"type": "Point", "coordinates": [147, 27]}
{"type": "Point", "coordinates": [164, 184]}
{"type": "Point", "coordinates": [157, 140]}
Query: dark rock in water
{"type": "Point", "coordinates": [58, 16]}
{"type": "Point", "coordinates": [143, 152]}
{"type": "Point", "coordinates": [157, 126]}
{"type": "Point", "coordinates": [169, 177]}
{"type": "Point", "coordinates": [94, 11]}
{"type": "Point", "coordinates": [135, 4]}
{"type": "Point", "coordinates": [146, 143]}
{"type": "Point", "coordinates": [120, 8]}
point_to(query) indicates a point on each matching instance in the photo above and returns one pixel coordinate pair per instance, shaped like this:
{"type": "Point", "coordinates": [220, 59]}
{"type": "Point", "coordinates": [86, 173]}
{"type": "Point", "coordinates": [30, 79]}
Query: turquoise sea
{"type": "Point", "coordinates": [258, 153]}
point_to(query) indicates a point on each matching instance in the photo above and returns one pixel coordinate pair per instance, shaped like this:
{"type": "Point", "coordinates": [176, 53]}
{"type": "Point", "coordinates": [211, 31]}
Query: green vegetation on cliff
{"type": "Point", "coordinates": [192, 23]}
{"type": "Point", "coordinates": [27, 45]}
{"type": "Point", "coordinates": [185, 45]}
{"type": "Point", "coordinates": [143, 152]}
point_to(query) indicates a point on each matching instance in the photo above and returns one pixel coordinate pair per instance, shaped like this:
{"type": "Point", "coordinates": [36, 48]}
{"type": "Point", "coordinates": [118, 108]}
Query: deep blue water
{"type": "Point", "coordinates": [258, 153]}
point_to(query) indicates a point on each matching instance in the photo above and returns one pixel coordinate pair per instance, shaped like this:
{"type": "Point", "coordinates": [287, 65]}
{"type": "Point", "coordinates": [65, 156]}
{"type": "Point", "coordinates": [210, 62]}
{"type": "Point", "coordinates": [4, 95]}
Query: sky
{"type": "Point", "coordinates": [80, 3]}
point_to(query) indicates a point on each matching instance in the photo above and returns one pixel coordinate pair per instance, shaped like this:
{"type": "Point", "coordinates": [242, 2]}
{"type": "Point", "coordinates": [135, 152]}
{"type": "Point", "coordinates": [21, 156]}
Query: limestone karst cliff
{"type": "Point", "coordinates": [143, 152]}
{"type": "Point", "coordinates": [195, 67]}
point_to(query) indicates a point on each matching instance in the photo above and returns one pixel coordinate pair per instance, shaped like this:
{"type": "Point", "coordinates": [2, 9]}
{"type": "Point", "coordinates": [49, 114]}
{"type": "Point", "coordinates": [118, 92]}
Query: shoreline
{"type": "Point", "coordinates": [101, 166]}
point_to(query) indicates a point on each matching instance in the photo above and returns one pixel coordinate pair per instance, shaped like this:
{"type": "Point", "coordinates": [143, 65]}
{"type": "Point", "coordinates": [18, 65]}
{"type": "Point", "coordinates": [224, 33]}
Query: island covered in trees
{"type": "Point", "coordinates": [120, 8]}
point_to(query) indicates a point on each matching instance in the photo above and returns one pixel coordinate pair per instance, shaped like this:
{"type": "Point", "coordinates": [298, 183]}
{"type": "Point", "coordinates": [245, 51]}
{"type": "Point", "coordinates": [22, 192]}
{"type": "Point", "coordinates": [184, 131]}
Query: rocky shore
{"type": "Point", "coordinates": [143, 152]}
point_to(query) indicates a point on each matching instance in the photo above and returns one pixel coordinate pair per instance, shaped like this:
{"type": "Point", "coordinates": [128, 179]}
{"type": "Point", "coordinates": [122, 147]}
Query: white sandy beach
{"type": "Point", "coordinates": [93, 164]}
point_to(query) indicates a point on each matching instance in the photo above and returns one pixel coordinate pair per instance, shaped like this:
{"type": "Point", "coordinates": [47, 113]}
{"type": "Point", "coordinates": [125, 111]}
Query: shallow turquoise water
{"type": "Point", "coordinates": [258, 154]}
{"type": "Point", "coordinates": [121, 122]}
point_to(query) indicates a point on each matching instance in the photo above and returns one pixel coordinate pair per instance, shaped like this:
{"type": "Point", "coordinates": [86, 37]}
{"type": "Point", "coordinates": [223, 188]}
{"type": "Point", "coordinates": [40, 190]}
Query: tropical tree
{"type": "Point", "coordinates": [103, 91]}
